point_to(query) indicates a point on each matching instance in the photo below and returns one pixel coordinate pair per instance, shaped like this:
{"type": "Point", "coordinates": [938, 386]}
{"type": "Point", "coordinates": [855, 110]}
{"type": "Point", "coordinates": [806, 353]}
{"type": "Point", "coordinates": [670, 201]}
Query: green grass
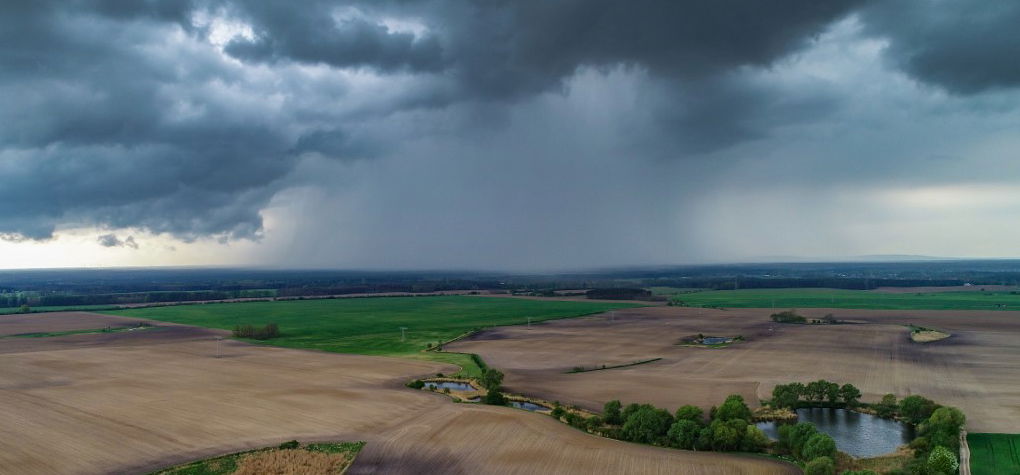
{"type": "Point", "coordinates": [371, 326]}
{"type": "Point", "coordinates": [994, 454]}
{"type": "Point", "coordinates": [814, 298]}
{"type": "Point", "coordinates": [227, 464]}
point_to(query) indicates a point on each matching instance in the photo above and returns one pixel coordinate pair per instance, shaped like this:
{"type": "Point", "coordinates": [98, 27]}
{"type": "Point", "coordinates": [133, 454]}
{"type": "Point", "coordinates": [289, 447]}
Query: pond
{"type": "Point", "coordinates": [715, 340]}
{"type": "Point", "coordinates": [451, 385]}
{"type": "Point", "coordinates": [528, 406]}
{"type": "Point", "coordinates": [860, 435]}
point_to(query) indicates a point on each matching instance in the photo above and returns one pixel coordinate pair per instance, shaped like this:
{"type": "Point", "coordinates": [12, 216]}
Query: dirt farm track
{"type": "Point", "coordinates": [130, 402]}
{"type": "Point", "coordinates": [977, 369]}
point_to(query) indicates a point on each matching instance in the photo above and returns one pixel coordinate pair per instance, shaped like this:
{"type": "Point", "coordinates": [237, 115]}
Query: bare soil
{"type": "Point", "coordinates": [148, 400]}
{"type": "Point", "coordinates": [977, 369]}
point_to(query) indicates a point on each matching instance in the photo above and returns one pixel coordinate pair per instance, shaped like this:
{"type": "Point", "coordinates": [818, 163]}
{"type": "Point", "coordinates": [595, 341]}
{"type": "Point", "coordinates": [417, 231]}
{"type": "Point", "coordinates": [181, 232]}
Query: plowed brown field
{"type": "Point", "coordinates": [977, 369]}
{"type": "Point", "coordinates": [136, 401]}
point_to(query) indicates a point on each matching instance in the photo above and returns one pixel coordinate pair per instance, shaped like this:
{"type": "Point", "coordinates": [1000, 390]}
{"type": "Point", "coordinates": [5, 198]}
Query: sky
{"type": "Point", "coordinates": [505, 135]}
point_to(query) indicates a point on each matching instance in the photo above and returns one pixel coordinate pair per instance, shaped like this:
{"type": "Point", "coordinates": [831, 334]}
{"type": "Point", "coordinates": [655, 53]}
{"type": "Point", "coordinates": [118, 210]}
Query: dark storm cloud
{"type": "Point", "coordinates": [121, 113]}
{"type": "Point", "coordinates": [97, 132]}
{"type": "Point", "coordinates": [309, 33]}
{"type": "Point", "coordinates": [963, 46]}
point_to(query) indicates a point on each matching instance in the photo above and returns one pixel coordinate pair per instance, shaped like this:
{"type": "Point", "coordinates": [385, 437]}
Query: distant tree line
{"type": "Point", "coordinates": [621, 293]}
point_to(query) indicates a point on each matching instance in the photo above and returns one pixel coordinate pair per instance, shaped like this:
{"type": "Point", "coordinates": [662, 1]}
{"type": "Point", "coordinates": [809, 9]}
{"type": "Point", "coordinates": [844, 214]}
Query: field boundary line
{"type": "Point", "coordinates": [964, 454]}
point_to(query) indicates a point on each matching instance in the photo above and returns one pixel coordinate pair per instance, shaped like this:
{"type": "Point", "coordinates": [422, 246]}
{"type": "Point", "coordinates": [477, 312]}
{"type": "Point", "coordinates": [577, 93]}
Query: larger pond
{"type": "Point", "coordinates": [860, 435]}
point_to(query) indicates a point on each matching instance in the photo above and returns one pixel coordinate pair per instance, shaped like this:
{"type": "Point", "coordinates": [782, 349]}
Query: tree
{"type": "Point", "coordinates": [690, 413]}
{"type": "Point", "coordinates": [683, 434]}
{"type": "Point", "coordinates": [733, 408]}
{"type": "Point", "coordinates": [611, 413]}
{"type": "Point", "coordinates": [787, 395]}
{"type": "Point", "coordinates": [916, 408]}
{"type": "Point", "coordinates": [858, 472]}
{"type": "Point", "coordinates": [887, 408]}
{"type": "Point", "coordinates": [831, 392]}
{"type": "Point", "coordinates": [647, 424]}
{"type": "Point", "coordinates": [495, 398]}
{"type": "Point", "coordinates": [754, 439]}
{"type": "Point", "coordinates": [793, 437]}
{"type": "Point", "coordinates": [724, 436]}
{"type": "Point", "coordinates": [819, 445]}
{"type": "Point", "coordinates": [816, 390]}
{"type": "Point", "coordinates": [942, 461]}
{"type": "Point", "coordinates": [849, 394]}
{"type": "Point", "coordinates": [943, 427]}
{"type": "Point", "coordinates": [491, 379]}
{"type": "Point", "coordinates": [24, 308]}
{"type": "Point", "coordinates": [820, 466]}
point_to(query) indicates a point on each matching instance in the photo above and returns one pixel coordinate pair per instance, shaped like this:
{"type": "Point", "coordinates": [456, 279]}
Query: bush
{"type": "Point", "coordinates": [690, 413]}
{"type": "Point", "coordinates": [271, 330]}
{"type": "Point", "coordinates": [942, 461]}
{"type": "Point", "coordinates": [916, 408]}
{"type": "Point", "coordinates": [733, 408]}
{"type": "Point", "coordinates": [788, 316]}
{"type": "Point", "coordinates": [819, 445]}
{"type": "Point", "coordinates": [291, 444]}
{"type": "Point", "coordinates": [494, 398]}
{"type": "Point", "coordinates": [820, 466]}
{"type": "Point", "coordinates": [557, 410]}
{"type": "Point", "coordinates": [754, 440]}
{"type": "Point", "coordinates": [792, 438]}
{"type": "Point", "coordinates": [416, 384]}
{"type": "Point", "coordinates": [887, 408]}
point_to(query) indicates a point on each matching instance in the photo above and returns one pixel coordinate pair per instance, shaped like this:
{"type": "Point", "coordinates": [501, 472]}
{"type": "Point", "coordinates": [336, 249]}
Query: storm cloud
{"type": "Point", "coordinates": [448, 133]}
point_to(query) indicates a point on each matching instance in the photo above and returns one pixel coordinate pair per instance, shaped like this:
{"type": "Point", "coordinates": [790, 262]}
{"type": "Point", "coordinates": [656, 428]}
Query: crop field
{"type": "Point", "coordinates": [970, 370]}
{"type": "Point", "coordinates": [994, 454]}
{"type": "Point", "coordinates": [781, 299]}
{"type": "Point", "coordinates": [372, 326]}
{"type": "Point", "coordinates": [136, 402]}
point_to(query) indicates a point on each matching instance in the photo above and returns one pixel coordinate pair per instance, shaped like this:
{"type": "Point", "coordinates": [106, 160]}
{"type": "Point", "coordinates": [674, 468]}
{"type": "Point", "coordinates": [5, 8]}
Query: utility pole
{"type": "Point", "coordinates": [219, 342]}
{"type": "Point", "coordinates": [402, 335]}
{"type": "Point", "coordinates": [529, 323]}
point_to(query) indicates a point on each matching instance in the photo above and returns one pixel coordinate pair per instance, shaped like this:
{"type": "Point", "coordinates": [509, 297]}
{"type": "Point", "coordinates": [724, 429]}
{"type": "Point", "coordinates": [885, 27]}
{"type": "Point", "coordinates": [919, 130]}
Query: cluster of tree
{"type": "Point", "coordinates": [619, 294]}
{"type": "Point", "coordinates": [815, 393]}
{"type": "Point", "coordinates": [728, 427]}
{"type": "Point", "coordinates": [492, 381]}
{"type": "Point", "coordinates": [788, 316]}
{"type": "Point", "coordinates": [270, 330]}
{"type": "Point", "coordinates": [816, 449]}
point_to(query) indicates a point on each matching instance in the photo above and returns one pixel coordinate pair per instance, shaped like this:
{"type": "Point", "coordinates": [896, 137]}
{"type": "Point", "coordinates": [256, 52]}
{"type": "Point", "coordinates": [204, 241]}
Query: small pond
{"type": "Point", "coordinates": [528, 406]}
{"type": "Point", "coordinates": [715, 340]}
{"type": "Point", "coordinates": [451, 385]}
{"type": "Point", "coordinates": [860, 435]}
{"type": "Point", "coordinates": [474, 399]}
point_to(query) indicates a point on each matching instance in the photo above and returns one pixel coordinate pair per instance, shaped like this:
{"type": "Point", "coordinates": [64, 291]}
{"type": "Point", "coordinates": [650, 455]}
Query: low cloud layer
{"type": "Point", "coordinates": [442, 133]}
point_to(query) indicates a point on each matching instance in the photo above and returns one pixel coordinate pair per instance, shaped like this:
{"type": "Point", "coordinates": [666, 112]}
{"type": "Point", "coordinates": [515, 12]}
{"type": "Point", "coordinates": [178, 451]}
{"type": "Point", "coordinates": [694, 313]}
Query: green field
{"type": "Point", "coordinates": [815, 298]}
{"type": "Point", "coordinates": [371, 326]}
{"type": "Point", "coordinates": [994, 454]}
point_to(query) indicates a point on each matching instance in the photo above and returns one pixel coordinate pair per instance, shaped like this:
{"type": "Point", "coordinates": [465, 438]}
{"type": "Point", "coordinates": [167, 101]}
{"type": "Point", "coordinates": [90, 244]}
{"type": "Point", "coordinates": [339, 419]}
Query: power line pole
{"type": "Point", "coordinates": [402, 335]}
{"type": "Point", "coordinates": [529, 323]}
